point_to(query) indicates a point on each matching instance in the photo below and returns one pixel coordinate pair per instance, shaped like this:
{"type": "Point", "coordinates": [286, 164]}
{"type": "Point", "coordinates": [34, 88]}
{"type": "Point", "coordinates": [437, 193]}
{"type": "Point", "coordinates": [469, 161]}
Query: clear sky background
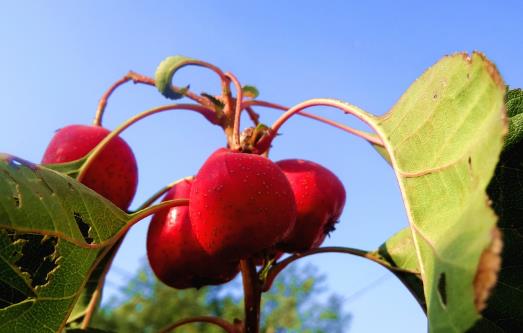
{"type": "Point", "coordinates": [58, 57]}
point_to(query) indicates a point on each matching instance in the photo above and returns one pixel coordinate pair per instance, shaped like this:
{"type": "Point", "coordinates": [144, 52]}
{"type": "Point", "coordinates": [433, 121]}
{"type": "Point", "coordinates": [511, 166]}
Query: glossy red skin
{"type": "Point", "coordinates": [240, 205]}
{"type": "Point", "coordinates": [320, 198]}
{"type": "Point", "coordinates": [114, 173]}
{"type": "Point", "coordinates": [175, 255]}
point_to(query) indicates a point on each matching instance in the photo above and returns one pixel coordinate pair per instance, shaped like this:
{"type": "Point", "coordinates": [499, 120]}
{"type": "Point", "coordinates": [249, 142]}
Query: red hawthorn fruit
{"type": "Point", "coordinates": [113, 174]}
{"type": "Point", "coordinates": [240, 205]}
{"type": "Point", "coordinates": [320, 198]}
{"type": "Point", "coordinates": [175, 255]}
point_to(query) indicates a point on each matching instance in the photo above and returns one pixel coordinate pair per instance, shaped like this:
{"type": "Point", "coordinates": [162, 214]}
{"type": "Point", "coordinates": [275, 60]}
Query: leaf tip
{"type": "Point", "coordinates": [165, 72]}
{"type": "Point", "coordinates": [492, 70]}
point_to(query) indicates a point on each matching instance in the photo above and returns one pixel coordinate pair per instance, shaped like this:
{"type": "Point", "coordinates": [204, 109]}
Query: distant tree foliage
{"type": "Point", "coordinates": [291, 305]}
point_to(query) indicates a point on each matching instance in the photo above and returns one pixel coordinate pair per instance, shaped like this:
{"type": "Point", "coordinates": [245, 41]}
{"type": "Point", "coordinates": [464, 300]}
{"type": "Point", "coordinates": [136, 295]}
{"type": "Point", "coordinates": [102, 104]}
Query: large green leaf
{"type": "Point", "coordinates": [53, 233]}
{"type": "Point", "coordinates": [443, 138]}
{"type": "Point", "coordinates": [36, 199]}
{"type": "Point", "coordinates": [505, 305]}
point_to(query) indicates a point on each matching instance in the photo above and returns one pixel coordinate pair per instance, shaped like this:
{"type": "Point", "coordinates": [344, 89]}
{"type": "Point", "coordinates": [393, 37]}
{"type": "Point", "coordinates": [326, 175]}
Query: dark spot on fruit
{"type": "Point", "coordinates": [17, 201]}
{"type": "Point", "coordinates": [442, 288]}
{"type": "Point", "coordinates": [330, 227]}
{"type": "Point", "coordinates": [84, 227]}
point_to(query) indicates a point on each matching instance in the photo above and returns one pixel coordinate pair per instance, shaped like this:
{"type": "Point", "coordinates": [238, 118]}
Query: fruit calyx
{"type": "Point", "coordinates": [250, 137]}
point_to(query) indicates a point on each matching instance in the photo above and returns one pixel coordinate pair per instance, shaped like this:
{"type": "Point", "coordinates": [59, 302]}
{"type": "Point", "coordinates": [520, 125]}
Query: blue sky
{"type": "Point", "coordinates": [57, 58]}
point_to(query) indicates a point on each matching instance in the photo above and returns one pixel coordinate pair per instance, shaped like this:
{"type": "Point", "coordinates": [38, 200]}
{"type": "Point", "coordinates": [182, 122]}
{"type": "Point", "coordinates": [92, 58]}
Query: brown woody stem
{"type": "Point", "coordinates": [252, 296]}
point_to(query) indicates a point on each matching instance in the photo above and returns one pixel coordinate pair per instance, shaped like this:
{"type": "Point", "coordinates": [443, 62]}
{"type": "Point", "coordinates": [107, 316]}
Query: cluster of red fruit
{"type": "Point", "coordinates": [240, 206]}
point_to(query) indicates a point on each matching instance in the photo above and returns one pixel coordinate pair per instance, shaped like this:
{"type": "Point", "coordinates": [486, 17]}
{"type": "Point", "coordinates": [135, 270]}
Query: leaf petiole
{"type": "Point", "coordinates": [277, 268]}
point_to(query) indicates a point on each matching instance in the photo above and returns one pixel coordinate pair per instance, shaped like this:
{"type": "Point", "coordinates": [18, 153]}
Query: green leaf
{"type": "Point", "coordinates": [514, 104]}
{"type": "Point", "coordinates": [250, 91]}
{"type": "Point", "coordinates": [400, 252]}
{"type": "Point", "coordinates": [383, 152]}
{"type": "Point", "coordinates": [54, 232]}
{"type": "Point", "coordinates": [444, 137]}
{"type": "Point", "coordinates": [70, 169]}
{"type": "Point", "coordinates": [165, 72]}
{"type": "Point", "coordinates": [505, 305]}
{"type": "Point", "coordinates": [92, 286]}
{"type": "Point", "coordinates": [37, 199]}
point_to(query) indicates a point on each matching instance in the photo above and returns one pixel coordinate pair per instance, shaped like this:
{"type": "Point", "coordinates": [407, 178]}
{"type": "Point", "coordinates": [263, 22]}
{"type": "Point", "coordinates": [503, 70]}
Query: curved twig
{"type": "Point", "coordinates": [276, 269]}
{"type": "Point", "coordinates": [222, 323]}
{"type": "Point", "coordinates": [142, 79]}
{"type": "Point", "coordinates": [362, 134]}
{"type": "Point", "coordinates": [140, 215]}
{"type": "Point", "coordinates": [206, 112]}
{"type": "Point", "coordinates": [237, 110]}
{"type": "Point", "coordinates": [253, 115]}
{"type": "Point", "coordinates": [161, 192]}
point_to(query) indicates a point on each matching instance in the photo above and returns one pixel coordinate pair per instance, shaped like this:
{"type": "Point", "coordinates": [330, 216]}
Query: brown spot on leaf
{"type": "Point", "coordinates": [488, 269]}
